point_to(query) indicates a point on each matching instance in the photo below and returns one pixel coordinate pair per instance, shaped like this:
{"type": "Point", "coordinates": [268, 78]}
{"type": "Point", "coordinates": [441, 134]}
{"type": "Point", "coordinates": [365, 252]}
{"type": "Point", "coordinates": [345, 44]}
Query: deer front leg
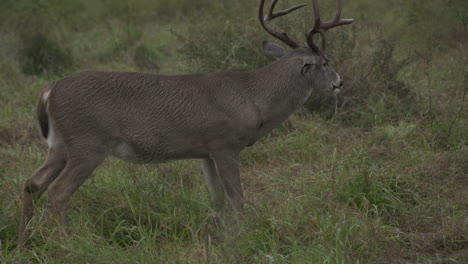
{"type": "Point", "coordinates": [214, 182]}
{"type": "Point", "coordinates": [227, 165]}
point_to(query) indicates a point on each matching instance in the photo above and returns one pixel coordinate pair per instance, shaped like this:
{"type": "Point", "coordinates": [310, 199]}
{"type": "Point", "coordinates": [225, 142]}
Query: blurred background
{"type": "Point", "coordinates": [377, 174]}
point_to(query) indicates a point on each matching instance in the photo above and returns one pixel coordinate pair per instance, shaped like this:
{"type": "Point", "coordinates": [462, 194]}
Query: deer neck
{"type": "Point", "coordinates": [277, 93]}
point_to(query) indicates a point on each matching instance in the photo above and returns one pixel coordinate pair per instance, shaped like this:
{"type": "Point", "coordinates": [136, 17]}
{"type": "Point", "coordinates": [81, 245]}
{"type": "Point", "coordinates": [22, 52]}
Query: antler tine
{"type": "Point", "coordinates": [321, 27]}
{"type": "Point", "coordinates": [282, 12]}
{"type": "Point", "coordinates": [316, 13]}
{"type": "Point", "coordinates": [337, 21]}
{"type": "Point", "coordinates": [283, 36]}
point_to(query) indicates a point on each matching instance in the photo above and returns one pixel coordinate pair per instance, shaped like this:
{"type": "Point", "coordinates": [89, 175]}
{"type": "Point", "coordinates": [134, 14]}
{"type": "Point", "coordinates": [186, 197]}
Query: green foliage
{"type": "Point", "coordinates": [40, 54]}
{"type": "Point", "coordinates": [146, 58]}
{"type": "Point", "coordinates": [40, 50]}
{"type": "Point", "coordinates": [237, 46]}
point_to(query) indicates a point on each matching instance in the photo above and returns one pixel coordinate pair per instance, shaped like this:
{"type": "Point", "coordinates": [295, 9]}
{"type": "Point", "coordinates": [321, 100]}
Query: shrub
{"type": "Point", "coordinates": [40, 54]}
{"type": "Point", "coordinates": [146, 58]}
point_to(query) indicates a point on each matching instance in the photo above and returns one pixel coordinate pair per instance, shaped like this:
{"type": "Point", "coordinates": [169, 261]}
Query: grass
{"type": "Point", "coordinates": [377, 175]}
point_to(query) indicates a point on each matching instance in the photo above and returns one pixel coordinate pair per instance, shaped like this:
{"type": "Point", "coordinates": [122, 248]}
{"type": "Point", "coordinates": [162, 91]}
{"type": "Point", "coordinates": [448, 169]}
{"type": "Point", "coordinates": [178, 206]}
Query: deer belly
{"type": "Point", "coordinates": [129, 152]}
{"type": "Point", "coordinates": [144, 154]}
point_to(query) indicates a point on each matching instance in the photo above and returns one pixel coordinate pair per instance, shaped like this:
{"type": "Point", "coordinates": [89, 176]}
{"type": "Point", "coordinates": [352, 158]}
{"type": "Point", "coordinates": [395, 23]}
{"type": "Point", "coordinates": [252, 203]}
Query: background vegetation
{"type": "Point", "coordinates": [375, 175]}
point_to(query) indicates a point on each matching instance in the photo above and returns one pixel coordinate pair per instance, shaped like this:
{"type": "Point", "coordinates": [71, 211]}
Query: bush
{"type": "Point", "coordinates": [40, 54]}
{"type": "Point", "coordinates": [146, 58]}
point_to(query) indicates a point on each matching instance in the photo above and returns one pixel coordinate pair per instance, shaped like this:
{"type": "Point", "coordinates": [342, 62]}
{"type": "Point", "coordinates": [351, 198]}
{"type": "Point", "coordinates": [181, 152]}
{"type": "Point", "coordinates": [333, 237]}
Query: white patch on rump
{"type": "Point", "coordinates": [45, 96]}
{"type": "Point", "coordinates": [51, 136]}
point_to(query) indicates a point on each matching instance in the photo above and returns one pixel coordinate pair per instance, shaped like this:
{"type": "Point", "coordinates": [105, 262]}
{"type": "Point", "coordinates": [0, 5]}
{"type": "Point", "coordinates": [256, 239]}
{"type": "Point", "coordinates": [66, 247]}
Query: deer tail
{"type": "Point", "coordinates": [41, 109]}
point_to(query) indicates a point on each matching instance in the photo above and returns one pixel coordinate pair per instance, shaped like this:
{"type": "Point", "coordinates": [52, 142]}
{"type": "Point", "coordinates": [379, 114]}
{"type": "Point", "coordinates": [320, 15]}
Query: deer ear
{"type": "Point", "coordinates": [308, 64]}
{"type": "Point", "coordinates": [272, 51]}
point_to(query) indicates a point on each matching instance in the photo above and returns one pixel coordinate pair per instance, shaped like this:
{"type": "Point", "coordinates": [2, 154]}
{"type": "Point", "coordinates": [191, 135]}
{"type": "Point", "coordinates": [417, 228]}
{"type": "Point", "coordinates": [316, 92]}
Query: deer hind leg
{"type": "Point", "coordinates": [214, 182]}
{"type": "Point", "coordinates": [227, 165]}
{"type": "Point", "coordinates": [77, 170]}
{"type": "Point", "coordinates": [37, 184]}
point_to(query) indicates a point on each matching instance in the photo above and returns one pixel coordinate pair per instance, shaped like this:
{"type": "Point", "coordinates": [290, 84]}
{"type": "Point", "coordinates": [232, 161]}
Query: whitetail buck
{"type": "Point", "coordinates": [150, 118]}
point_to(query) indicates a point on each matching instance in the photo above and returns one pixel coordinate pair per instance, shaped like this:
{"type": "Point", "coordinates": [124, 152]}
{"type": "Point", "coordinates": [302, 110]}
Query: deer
{"type": "Point", "coordinates": [152, 118]}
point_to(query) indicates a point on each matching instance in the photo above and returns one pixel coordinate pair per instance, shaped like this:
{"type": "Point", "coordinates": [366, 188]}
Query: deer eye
{"type": "Point", "coordinates": [325, 63]}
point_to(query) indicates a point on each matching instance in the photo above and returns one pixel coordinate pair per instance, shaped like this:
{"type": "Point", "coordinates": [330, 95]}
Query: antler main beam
{"type": "Point", "coordinates": [264, 19]}
{"type": "Point", "coordinates": [321, 27]}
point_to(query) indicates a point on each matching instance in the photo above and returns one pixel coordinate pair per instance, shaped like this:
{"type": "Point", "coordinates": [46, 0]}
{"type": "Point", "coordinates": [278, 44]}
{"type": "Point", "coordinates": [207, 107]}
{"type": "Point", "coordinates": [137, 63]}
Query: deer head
{"type": "Point", "coordinates": [314, 61]}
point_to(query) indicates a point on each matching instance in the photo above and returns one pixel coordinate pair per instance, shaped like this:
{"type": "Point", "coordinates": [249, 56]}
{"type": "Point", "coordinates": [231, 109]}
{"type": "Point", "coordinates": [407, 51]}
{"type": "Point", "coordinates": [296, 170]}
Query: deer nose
{"type": "Point", "coordinates": [338, 85]}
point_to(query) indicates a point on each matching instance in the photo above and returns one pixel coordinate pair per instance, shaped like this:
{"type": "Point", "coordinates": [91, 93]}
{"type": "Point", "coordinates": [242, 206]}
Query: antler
{"type": "Point", "coordinates": [283, 36]}
{"type": "Point", "coordinates": [320, 27]}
